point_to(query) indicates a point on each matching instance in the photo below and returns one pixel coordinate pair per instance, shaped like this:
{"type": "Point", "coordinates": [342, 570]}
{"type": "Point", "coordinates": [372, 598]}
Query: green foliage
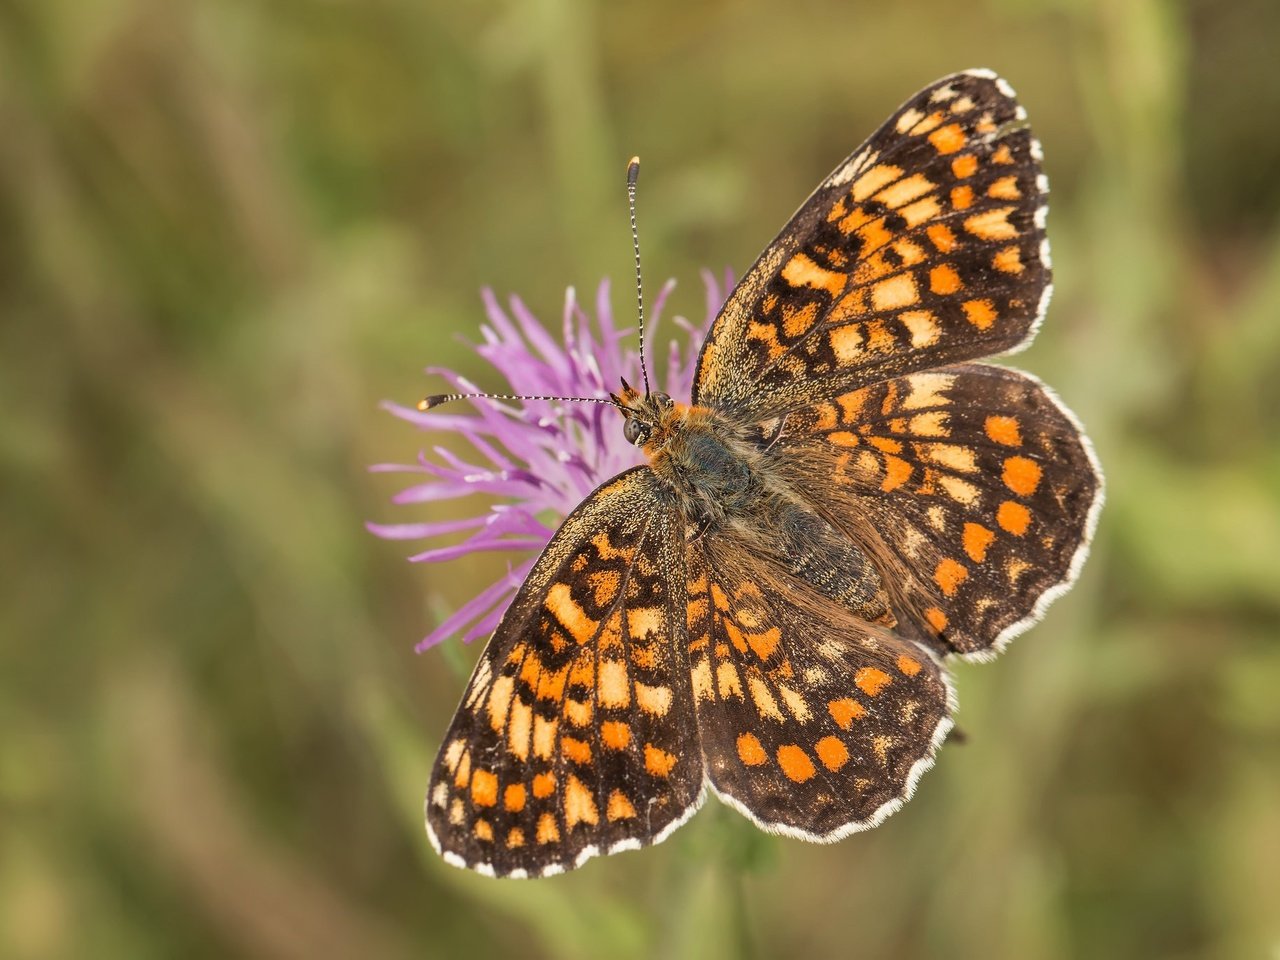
{"type": "Point", "coordinates": [227, 230]}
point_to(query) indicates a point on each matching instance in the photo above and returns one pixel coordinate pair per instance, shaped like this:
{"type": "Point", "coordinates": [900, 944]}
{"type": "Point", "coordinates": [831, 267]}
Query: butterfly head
{"type": "Point", "coordinates": [648, 416]}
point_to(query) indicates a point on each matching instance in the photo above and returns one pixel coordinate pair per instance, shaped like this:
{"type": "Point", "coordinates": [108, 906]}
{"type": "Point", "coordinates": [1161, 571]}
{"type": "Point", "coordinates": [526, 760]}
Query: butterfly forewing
{"type": "Point", "coordinates": [576, 734]}
{"type": "Point", "coordinates": [926, 247]}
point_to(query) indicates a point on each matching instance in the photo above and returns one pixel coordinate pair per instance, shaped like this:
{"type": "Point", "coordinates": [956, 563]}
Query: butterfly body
{"type": "Point", "coordinates": [763, 609]}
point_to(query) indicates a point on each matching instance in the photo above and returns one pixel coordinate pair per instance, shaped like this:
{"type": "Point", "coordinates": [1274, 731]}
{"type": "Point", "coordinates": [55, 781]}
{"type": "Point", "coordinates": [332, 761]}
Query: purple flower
{"type": "Point", "coordinates": [539, 458]}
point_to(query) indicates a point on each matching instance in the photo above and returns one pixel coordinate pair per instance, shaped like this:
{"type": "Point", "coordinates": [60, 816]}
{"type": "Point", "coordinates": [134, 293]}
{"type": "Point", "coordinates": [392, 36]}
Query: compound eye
{"type": "Point", "coordinates": [635, 432]}
{"type": "Point", "coordinates": [663, 399]}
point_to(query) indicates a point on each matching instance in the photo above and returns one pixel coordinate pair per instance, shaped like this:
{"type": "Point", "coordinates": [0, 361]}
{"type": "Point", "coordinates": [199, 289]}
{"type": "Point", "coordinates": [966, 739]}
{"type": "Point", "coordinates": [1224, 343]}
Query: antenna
{"type": "Point", "coordinates": [426, 403]}
{"type": "Point", "coordinates": [633, 174]}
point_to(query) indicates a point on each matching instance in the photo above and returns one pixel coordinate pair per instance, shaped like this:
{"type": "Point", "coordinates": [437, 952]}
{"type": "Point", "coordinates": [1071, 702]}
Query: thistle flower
{"type": "Point", "coordinates": [539, 459]}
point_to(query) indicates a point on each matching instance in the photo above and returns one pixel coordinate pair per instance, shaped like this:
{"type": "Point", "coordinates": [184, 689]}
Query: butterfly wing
{"type": "Point", "coordinates": [973, 485]}
{"type": "Point", "coordinates": [926, 247]}
{"type": "Point", "coordinates": [576, 734]}
{"type": "Point", "coordinates": [812, 723]}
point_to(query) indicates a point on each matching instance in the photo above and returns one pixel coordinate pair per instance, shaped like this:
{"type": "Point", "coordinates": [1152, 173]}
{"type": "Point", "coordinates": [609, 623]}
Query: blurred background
{"type": "Point", "coordinates": [228, 230]}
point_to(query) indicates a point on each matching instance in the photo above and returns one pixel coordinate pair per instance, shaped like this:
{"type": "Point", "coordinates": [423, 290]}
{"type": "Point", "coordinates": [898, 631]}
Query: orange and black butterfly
{"type": "Point", "coordinates": [765, 607]}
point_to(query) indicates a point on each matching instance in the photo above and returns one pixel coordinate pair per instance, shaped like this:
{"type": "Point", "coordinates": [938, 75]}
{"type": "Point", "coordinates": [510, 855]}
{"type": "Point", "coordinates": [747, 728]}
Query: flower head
{"type": "Point", "coordinates": [537, 459]}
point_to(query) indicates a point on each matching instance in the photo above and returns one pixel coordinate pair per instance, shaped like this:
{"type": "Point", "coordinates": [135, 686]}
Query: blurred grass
{"type": "Point", "coordinates": [228, 230]}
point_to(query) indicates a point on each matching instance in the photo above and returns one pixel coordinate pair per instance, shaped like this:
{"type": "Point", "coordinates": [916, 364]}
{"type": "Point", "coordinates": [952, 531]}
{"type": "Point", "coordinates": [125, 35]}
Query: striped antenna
{"type": "Point", "coordinates": [633, 174]}
{"type": "Point", "coordinates": [427, 403]}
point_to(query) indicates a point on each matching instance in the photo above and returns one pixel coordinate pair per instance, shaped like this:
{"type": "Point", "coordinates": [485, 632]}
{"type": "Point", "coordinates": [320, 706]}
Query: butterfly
{"type": "Point", "coordinates": [764, 609]}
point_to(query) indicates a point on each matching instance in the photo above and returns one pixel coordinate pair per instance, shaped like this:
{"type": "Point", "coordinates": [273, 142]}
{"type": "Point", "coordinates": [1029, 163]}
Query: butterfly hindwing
{"type": "Point", "coordinates": [926, 247]}
{"type": "Point", "coordinates": [977, 485]}
{"type": "Point", "coordinates": [576, 734]}
{"type": "Point", "coordinates": [812, 723]}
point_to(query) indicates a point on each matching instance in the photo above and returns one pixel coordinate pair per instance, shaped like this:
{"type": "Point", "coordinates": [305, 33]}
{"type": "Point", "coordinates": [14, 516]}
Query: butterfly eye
{"type": "Point", "coordinates": [664, 401]}
{"type": "Point", "coordinates": [636, 432]}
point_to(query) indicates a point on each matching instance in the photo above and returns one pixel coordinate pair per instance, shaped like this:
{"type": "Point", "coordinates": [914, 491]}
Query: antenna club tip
{"type": "Point", "coordinates": [426, 403]}
{"type": "Point", "coordinates": [633, 170]}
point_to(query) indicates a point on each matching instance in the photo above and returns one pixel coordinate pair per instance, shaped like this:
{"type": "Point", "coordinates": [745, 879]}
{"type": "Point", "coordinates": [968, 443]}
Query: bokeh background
{"type": "Point", "coordinates": [229, 229]}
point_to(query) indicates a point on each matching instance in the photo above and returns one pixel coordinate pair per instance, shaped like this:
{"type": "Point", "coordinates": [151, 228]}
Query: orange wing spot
{"type": "Point", "coordinates": [483, 830]}
{"type": "Point", "coordinates": [908, 665]}
{"type": "Point", "coordinates": [977, 539]}
{"type": "Point", "coordinates": [1006, 188]}
{"type": "Point", "coordinates": [728, 682]}
{"type": "Point", "coordinates": [544, 737]}
{"type": "Point", "coordinates": [620, 807]}
{"type": "Point", "coordinates": [548, 831]}
{"type": "Point", "coordinates": [463, 775]}
{"type": "Point", "coordinates": [922, 325]}
{"type": "Point", "coordinates": [1002, 155]}
{"type": "Point", "coordinates": [767, 334]}
{"type": "Point", "coordinates": [874, 233]}
{"type": "Point", "coordinates": [940, 235]}
{"type": "Point", "coordinates": [613, 688]}
{"type": "Point", "coordinates": [579, 804]}
{"type": "Point", "coordinates": [615, 734]}
{"type": "Point", "coordinates": [515, 839]}
{"type": "Point", "coordinates": [801, 271]}
{"type": "Point", "coordinates": [578, 751]}
{"type": "Point", "coordinates": [654, 700]}
{"type": "Point", "coordinates": [578, 712]}
{"type": "Point", "coordinates": [871, 680]}
{"type": "Point", "coordinates": [965, 166]}
{"type": "Point", "coordinates": [877, 177]}
{"type": "Point", "coordinates": [795, 322]}
{"type": "Point", "coordinates": [544, 784]}
{"type": "Point", "coordinates": [962, 197]}
{"type": "Point", "coordinates": [843, 438]}
{"type": "Point", "coordinates": [896, 472]}
{"type": "Point", "coordinates": [795, 763]}
{"type": "Point", "coordinates": [910, 253]}
{"type": "Point", "coordinates": [520, 728]}
{"type": "Point", "coordinates": [1008, 260]}
{"type": "Point", "coordinates": [551, 684]}
{"type": "Point", "coordinates": [658, 761]}
{"type": "Point", "coordinates": [937, 619]}
{"type": "Point", "coordinates": [500, 701]}
{"type": "Point", "coordinates": [643, 622]}
{"type": "Point", "coordinates": [846, 342]}
{"type": "Point", "coordinates": [948, 139]}
{"type": "Point", "coordinates": [825, 417]}
{"type": "Point", "coordinates": [899, 291]}
{"type": "Point", "coordinates": [905, 190]}
{"type": "Point", "coordinates": [943, 279]}
{"type": "Point", "coordinates": [1021, 475]}
{"type": "Point", "coordinates": [1013, 517]}
{"type": "Point", "coordinates": [719, 598]}
{"type": "Point", "coordinates": [885, 444]}
{"type": "Point", "coordinates": [604, 585]}
{"type": "Point", "coordinates": [764, 644]}
{"type": "Point", "coordinates": [948, 575]}
{"type": "Point", "coordinates": [513, 797]}
{"type": "Point", "coordinates": [1004, 430]}
{"type": "Point", "coordinates": [992, 224]}
{"type": "Point", "coordinates": [484, 788]}
{"type": "Point", "coordinates": [845, 711]}
{"type": "Point", "coordinates": [928, 123]}
{"type": "Point", "coordinates": [583, 671]}
{"type": "Point", "coordinates": [750, 750]}
{"type": "Point", "coordinates": [564, 608]}
{"type": "Point", "coordinates": [832, 752]}
{"type": "Point", "coordinates": [981, 313]}
{"type": "Point", "coordinates": [924, 209]}
{"type": "Point", "coordinates": [766, 705]}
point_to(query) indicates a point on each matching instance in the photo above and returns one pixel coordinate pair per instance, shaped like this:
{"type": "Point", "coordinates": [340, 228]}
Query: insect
{"type": "Point", "coordinates": [763, 610]}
